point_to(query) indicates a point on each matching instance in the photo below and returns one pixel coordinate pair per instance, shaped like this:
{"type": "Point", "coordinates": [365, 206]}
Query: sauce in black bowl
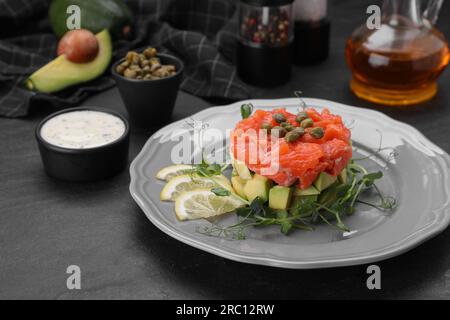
{"type": "Point", "coordinates": [83, 144]}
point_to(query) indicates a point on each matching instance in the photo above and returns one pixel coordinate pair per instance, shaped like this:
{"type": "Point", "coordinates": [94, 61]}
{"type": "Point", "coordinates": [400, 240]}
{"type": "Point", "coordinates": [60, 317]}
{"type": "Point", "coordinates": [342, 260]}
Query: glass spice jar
{"type": "Point", "coordinates": [264, 51]}
{"type": "Point", "coordinates": [311, 31]}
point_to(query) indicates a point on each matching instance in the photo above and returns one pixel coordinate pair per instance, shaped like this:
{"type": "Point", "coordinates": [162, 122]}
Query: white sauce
{"type": "Point", "coordinates": [82, 129]}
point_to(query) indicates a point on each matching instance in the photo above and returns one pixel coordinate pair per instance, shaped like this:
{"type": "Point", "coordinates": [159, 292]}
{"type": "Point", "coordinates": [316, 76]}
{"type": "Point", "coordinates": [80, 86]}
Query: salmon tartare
{"type": "Point", "coordinates": [306, 144]}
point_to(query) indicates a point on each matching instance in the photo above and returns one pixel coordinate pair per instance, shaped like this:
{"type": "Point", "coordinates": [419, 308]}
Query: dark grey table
{"type": "Point", "coordinates": [47, 225]}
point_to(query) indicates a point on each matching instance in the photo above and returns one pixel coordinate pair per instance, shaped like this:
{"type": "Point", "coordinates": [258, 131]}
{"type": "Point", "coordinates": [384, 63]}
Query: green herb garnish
{"type": "Point", "coordinates": [206, 169]}
{"type": "Point", "coordinates": [330, 207]}
{"type": "Point", "coordinates": [221, 192]}
{"type": "Point", "coordinates": [246, 110]}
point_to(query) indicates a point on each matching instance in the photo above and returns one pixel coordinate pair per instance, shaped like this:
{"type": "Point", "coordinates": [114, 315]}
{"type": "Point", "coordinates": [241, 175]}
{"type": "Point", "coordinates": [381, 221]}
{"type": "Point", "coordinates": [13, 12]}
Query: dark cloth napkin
{"type": "Point", "coordinates": [200, 32]}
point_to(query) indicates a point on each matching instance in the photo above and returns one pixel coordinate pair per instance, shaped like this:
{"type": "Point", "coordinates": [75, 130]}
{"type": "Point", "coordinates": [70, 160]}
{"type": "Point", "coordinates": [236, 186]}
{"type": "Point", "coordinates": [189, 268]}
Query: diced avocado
{"type": "Point", "coordinates": [260, 177]}
{"type": "Point", "coordinates": [324, 181]}
{"type": "Point", "coordinates": [62, 73]}
{"type": "Point", "coordinates": [239, 185]}
{"type": "Point", "coordinates": [257, 187]}
{"type": "Point", "coordinates": [342, 177]}
{"type": "Point", "coordinates": [310, 191]}
{"type": "Point", "coordinates": [242, 169]}
{"type": "Point", "coordinates": [280, 197]}
{"type": "Point", "coordinates": [311, 198]}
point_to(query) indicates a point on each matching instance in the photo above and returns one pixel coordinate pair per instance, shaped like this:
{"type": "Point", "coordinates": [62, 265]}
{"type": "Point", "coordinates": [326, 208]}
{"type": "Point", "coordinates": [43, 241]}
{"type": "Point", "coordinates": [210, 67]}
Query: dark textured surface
{"type": "Point", "coordinates": [46, 225]}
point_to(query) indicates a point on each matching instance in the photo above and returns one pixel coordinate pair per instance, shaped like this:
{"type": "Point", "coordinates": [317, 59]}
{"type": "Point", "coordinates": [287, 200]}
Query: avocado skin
{"type": "Point", "coordinates": [96, 15]}
{"type": "Point", "coordinates": [61, 73]}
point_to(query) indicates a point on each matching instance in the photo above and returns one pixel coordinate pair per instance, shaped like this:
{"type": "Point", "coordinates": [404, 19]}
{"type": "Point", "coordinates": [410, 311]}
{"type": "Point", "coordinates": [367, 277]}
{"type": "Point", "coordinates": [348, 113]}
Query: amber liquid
{"type": "Point", "coordinates": [398, 77]}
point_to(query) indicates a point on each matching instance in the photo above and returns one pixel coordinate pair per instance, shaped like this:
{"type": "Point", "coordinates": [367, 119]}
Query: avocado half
{"type": "Point", "coordinates": [62, 73]}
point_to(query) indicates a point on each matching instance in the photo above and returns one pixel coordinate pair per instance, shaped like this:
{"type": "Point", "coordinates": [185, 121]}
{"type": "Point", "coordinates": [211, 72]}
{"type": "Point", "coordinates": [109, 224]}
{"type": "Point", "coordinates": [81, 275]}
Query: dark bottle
{"type": "Point", "coordinates": [264, 53]}
{"type": "Point", "coordinates": [312, 31]}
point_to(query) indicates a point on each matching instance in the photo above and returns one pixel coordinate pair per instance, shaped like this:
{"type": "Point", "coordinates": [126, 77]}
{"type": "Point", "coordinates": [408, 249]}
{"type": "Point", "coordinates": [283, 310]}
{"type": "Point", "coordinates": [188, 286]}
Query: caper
{"type": "Point", "coordinates": [266, 126]}
{"type": "Point", "coordinates": [307, 123]}
{"type": "Point", "coordinates": [299, 130]}
{"type": "Point", "coordinates": [144, 66]}
{"type": "Point", "coordinates": [154, 61]}
{"type": "Point", "coordinates": [144, 63]}
{"type": "Point", "coordinates": [171, 68]}
{"type": "Point", "coordinates": [287, 126]}
{"type": "Point", "coordinates": [135, 58]}
{"type": "Point", "coordinates": [279, 117]}
{"type": "Point", "coordinates": [155, 67]}
{"type": "Point", "coordinates": [120, 69]}
{"type": "Point", "coordinates": [130, 73]}
{"type": "Point", "coordinates": [301, 116]}
{"type": "Point", "coordinates": [292, 136]}
{"type": "Point", "coordinates": [317, 132]}
{"type": "Point", "coordinates": [278, 130]}
{"type": "Point", "coordinates": [150, 52]}
{"type": "Point", "coordinates": [130, 56]}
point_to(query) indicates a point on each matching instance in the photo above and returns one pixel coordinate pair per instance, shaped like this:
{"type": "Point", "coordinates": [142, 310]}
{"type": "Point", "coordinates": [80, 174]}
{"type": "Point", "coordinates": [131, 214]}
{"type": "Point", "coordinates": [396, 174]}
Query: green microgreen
{"type": "Point", "coordinates": [221, 192]}
{"type": "Point", "coordinates": [330, 207]}
{"type": "Point", "coordinates": [246, 110]}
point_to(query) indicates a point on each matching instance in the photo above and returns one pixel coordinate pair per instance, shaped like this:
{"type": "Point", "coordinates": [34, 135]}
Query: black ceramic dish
{"type": "Point", "coordinates": [150, 102]}
{"type": "Point", "coordinates": [82, 165]}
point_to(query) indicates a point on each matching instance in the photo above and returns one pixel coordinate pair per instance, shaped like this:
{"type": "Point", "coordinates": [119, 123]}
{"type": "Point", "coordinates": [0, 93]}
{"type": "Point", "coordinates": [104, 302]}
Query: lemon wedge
{"type": "Point", "coordinates": [169, 172]}
{"type": "Point", "coordinates": [187, 182]}
{"type": "Point", "coordinates": [203, 203]}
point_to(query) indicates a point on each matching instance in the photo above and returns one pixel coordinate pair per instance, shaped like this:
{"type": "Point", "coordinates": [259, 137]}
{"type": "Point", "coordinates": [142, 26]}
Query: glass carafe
{"type": "Point", "coordinates": [399, 62]}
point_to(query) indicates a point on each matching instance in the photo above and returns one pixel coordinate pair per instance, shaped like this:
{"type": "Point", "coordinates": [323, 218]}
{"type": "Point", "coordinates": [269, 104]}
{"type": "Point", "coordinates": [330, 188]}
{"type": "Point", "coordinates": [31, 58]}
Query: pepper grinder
{"type": "Point", "coordinates": [312, 31]}
{"type": "Point", "coordinates": [265, 45]}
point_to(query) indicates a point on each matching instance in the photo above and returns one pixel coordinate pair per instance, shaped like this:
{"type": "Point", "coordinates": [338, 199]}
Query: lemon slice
{"type": "Point", "coordinates": [202, 203]}
{"type": "Point", "coordinates": [188, 182]}
{"type": "Point", "coordinates": [169, 172]}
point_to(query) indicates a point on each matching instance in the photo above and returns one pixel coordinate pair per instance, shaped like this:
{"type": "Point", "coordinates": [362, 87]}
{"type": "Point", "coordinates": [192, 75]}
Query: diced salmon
{"type": "Point", "coordinates": [300, 161]}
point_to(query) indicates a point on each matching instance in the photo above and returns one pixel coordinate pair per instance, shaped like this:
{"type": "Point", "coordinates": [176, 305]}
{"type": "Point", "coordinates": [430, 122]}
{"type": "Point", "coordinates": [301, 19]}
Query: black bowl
{"type": "Point", "coordinates": [150, 102]}
{"type": "Point", "coordinates": [83, 165]}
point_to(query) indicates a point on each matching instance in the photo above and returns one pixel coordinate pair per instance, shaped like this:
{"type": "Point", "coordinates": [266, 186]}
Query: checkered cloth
{"type": "Point", "coordinates": [200, 32]}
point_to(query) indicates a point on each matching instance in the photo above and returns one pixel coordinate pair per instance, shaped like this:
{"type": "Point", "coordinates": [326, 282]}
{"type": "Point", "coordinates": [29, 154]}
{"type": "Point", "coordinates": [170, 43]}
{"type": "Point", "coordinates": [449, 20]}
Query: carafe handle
{"type": "Point", "coordinates": [431, 12]}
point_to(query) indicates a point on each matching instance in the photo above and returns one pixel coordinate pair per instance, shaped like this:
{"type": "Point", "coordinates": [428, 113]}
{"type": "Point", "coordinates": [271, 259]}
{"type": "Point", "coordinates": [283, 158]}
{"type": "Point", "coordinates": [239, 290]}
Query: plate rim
{"type": "Point", "coordinates": [440, 222]}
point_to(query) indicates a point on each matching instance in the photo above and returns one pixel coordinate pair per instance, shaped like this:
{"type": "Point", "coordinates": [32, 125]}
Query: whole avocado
{"type": "Point", "coordinates": [96, 15]}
